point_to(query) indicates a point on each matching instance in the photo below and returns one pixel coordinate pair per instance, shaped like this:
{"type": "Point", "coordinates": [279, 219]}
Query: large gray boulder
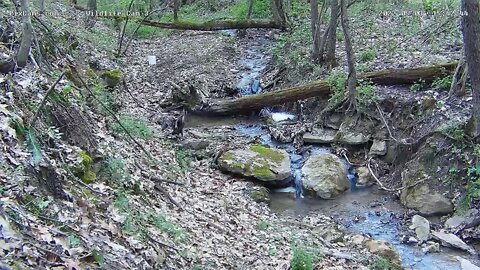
{"type": "Point", "coordinates": [262, 163]}
{"type": "Point", "coordinates": [325, 175]}
{"type": "Point", "coordinates": [320, 135]}
{"type": "Point", "coordinates": [425, 200]}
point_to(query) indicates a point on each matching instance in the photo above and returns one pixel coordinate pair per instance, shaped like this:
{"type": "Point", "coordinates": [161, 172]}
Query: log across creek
{"type": "Point", "coordinates": [322, 88]}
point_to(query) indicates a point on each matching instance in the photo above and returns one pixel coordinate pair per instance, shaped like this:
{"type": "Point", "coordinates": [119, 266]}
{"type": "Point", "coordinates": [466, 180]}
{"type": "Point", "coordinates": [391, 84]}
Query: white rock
{"type": "Point", "coordinates": [453, 240]}
{"type": "Point", "coordinates": [421, 226]}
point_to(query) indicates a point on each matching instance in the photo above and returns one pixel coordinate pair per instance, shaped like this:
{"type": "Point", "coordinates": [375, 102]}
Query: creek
{"type": "Point", "coordinates": [359, 210]}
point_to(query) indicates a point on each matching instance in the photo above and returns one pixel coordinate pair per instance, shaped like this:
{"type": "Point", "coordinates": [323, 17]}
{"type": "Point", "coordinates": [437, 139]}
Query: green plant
{"type": "Point", "coordinates": [381, 264]}
{"type": "Point", "coordinates": [366, 94]}
{"type": "Point", "coordinates": [73, 240]}
{"type": "Point", "coordinates": [263, 225]}
{"type": "Point", "coordinates": [442, 83]}
{"type": "Point", "coordinates": [301, 260]}
{"type": "Point", "coordinates": [368, 55]}
{"type": "Point", "coordinates": [136, 127]}
{"type": "Point", "coordinates": [337, 82]}
{"type": "Point", "coordinates": [177, 233]}
{"type": "Point", "coordinates": [113, 170]}
{"type": "Point", "coordinates": [417, 86]}
{"type": "Point", "coordinates": [184, 159]}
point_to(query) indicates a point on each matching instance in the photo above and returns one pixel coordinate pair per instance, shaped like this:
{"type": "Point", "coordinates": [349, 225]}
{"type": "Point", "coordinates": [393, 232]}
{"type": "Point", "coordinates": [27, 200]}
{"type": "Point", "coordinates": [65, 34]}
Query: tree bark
{"type": "Point", "coordinates": [322, 88]}
{"type": "Point", "coordinates": [471, 39]}
{"type": "Point", "coordinates": [20, 60]}
{"type": "Point", "coordinates": [315, 28]}
{"type": "Point", "coordinates": [352, 73]}
{"type": "Point", "coordinates": [278, 12]}
{"type": "Point", "coordinates": [214, 25]}
{"type": "Point", "coordinates": [332, 35]}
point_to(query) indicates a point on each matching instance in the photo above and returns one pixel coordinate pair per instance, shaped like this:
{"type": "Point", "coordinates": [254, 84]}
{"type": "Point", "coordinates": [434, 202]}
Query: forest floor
{"type": "Point", "coordinates": [172, 211]}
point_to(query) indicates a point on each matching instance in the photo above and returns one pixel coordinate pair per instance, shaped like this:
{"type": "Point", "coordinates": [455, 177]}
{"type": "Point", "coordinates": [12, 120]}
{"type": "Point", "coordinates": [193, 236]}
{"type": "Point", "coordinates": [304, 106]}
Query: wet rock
{"type": "Point", "coordinates": [262, 163]}
{"type": "Point", "coordinates": [431, 247]}
{"type": "Point", "coordinates": [428, 103]}
{"type": "Point", "coordinates": [421, 226]}
{"type": "Point", "coordinates": [358, 239]}
{"type": "Point", "coordinates": [458, 221]}
{"type": "Point", "coordinates": [195, 144]}
{"type": "Point", "coordinates": [351, 138]}
{"type": "Point", "coordinates": [384, 249]}
{"type": "Point", "coordinates": [260, 194]}
{"type": "Point", "coordinates": [425, 200]}
{"type": "Point", "coordinates": [466, 264]}
{"type": "Point", "coordinates": [320, 136]}
{"type": "Point", "coordinates": [379, 148]}
{"type": "Point", "coordinates": [325, 175]}
{"type": "Point", "coordinates": [330, 232]}
{"type": "Point", "coordinates": [454, 241]}
{"type": "Point", "coordinates": [364, 177]}
{"type": "Point", "coordinates": [412, 240]}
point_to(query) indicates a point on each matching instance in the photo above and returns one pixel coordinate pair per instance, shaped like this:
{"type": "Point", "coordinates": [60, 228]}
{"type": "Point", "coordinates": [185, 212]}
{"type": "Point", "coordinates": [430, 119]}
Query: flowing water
{"type": "Point", "coordinates": [360, 210]}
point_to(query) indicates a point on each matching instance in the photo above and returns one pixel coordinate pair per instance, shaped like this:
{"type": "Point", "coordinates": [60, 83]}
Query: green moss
{"type": "Point", "coordinates": [86, 159]}
{"type": "Point", "coordinates": [113, 74]}
{"type": "Point", "coordinates": [262, 172]}
{"type": "Point", "coordinates": [112, 77]}
{"type": "Point", "coordinates": [267, 152]}
{"type": "Point", "coordinates": [89, 177]}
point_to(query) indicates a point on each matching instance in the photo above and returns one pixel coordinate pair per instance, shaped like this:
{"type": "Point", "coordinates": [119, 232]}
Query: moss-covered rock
{"type": "Point", "coordinates": [325, 175]}
{"type": "Point", "coordinates": [260, 162]}
{"type": "Point", "coordinates": [89, 177]}
{"type": "Point", "coordinates": [112, 77]}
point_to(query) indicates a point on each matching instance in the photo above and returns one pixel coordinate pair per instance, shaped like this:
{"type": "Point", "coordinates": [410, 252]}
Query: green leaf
{"type": "Point", "coordinates": [34, 147]}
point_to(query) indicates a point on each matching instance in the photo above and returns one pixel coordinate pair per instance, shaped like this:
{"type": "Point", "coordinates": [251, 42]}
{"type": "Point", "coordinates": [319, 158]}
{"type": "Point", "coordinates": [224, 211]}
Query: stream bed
{"type": "Point", "coordinates": [360, 210]}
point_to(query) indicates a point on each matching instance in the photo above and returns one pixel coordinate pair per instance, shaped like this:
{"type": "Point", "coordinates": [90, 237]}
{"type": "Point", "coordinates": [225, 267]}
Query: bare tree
{"type": "Point", "coordinates": [331, 41]}
{"type": "Point", "coordinates": [471, 38]}
{"type": "Point", "coordinates": [352, 74]}
{"type": "Point", "coordinates": [315, 23]}
{"type": "Point", "coordinates": [21, 57]}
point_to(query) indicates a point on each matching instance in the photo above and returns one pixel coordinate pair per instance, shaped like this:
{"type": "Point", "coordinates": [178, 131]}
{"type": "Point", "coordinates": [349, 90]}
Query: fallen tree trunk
{"type": "Point", "coordinates": [214, 25]}
{"type": "Point", "coordinates": [322, 88]}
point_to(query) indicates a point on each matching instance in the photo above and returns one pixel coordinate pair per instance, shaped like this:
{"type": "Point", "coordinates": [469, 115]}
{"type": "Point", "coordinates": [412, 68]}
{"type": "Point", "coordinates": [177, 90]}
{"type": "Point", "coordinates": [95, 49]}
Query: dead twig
{"type": "Point", "coordinates": [382, 186]}
{"type": "Point", "coordinates": [170, 198]}
{"type": "Point", "coordinates": [44, 100]}
{"type": "Point", "coordinates": [388, 128]}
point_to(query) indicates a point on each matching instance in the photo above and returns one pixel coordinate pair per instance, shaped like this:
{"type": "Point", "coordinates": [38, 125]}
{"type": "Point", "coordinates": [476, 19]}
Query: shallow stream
{"type": "Point", "coordinates": [360, 210]}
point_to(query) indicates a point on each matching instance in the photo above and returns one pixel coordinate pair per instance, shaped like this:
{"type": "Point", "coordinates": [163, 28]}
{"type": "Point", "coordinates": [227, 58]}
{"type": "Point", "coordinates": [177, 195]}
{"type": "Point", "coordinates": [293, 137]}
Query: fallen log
{"type": "Point", "coordinates": [322, 88]}
{"type": "Point", "coordinates": [214, 25]}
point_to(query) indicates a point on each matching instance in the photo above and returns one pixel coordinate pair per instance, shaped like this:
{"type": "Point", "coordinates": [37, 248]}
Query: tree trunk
{"type": "Point", "coordinates": [214, 25]}
{"type": "Point", "coordinates": [332, 35]}
{"type": "Point", "coordinates": [20, 60]}
{"type": "Point", "coordinates": [352, 74]}
{"type": "Point", "coordinates": [322, 88]}
{"type": "Point", "coordinates": [315, 28]}
{"type": "Point", "coordinates": [278, 12]}
{"type": "Point", "coordinates": [42, 6]}
{"type": "Point", "coordinates": [176, 7]}
{"type": "Point", "coordinates": [471, 39]}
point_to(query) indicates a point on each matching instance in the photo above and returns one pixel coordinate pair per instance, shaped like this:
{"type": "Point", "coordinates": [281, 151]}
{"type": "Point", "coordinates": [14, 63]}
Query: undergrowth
{"type": "Point", "coordinates": [138, 128]}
